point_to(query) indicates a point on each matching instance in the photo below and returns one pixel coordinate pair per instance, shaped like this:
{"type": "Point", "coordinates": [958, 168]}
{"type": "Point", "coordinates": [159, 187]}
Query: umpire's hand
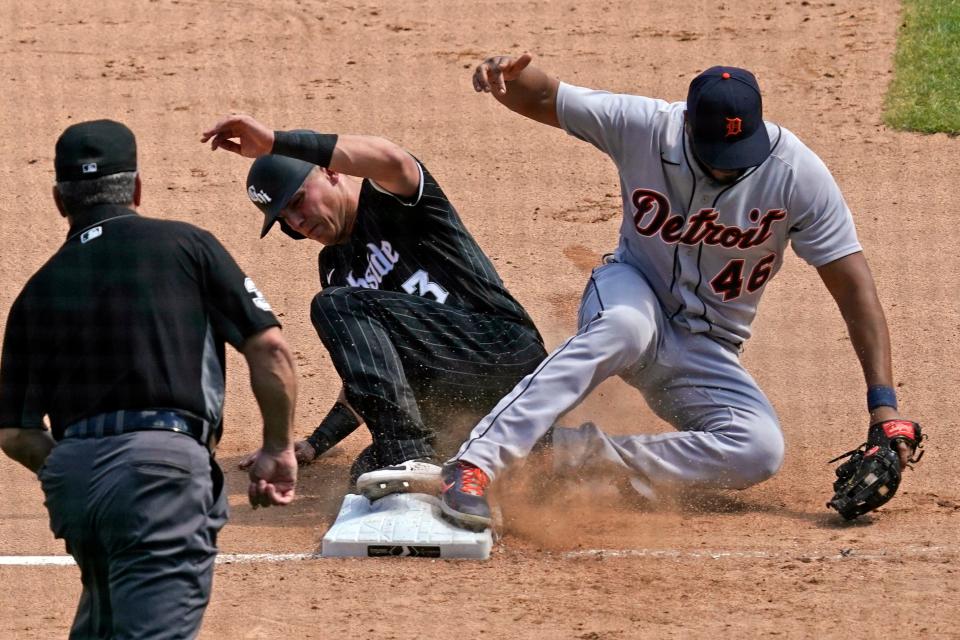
{"type": "Point", "coordinates": [273, 476]}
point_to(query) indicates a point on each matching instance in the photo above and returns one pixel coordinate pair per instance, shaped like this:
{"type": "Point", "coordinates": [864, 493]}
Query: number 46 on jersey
{"type": "Point", "coordinates": [730, 284]}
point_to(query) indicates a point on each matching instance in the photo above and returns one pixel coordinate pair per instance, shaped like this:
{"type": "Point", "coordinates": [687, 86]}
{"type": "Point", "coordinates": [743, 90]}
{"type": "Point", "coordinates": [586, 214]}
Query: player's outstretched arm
{"type": "Point", "coordinates": [240, 134]}
{"type": "Point", "coordinates": [520, 87]}
{"type": "Point", "coordinates": [379, 159]}
{"type": "Point", "coordinates": [273, 471]}
{"type": "Point", "coordinates": [851, 284]}
{"type": "Point", "coordinates": [385, 162]}
{"type": "Point", "coordinates": [339, 423]}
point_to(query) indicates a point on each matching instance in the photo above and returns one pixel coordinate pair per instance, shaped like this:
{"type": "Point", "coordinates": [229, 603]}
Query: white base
{"type": "Point", "coordinates": [402, 524]}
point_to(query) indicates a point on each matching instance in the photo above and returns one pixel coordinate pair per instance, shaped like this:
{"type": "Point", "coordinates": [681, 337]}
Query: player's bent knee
{"type": "Point", "coordinates": [632, 330]}
{"type": "Point", "coordinates": [759, 459]}
{"type": "Point", "coordinates": [320, 308]}
{"type": "Point", "coordinates": [329, 304]}
{"type": "Point", "coordinates": [333, 295]}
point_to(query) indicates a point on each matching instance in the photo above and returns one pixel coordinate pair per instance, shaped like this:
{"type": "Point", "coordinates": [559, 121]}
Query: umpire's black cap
{"type": "Point", "coordinates": [271, 182]}
{"type": "Point", "coordinates": [90, 150]}
{"type": "Point", "coordinates": [726, 112]}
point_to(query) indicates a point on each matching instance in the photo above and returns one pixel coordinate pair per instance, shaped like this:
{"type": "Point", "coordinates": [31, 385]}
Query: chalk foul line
{"type": "Point", "coordinates": [909, 551]}
{"type": "Point", "coordinates": [223, 558]}
{"type": "Point", "coordinates": [852, 553]}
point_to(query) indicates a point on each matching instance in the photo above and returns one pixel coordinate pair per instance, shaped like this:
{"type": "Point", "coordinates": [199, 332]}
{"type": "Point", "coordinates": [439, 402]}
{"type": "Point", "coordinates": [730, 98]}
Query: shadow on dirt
{"type": "Point", "coordinates": [728, 503]}
{"type": "Point", "coordinates": [320, 490]}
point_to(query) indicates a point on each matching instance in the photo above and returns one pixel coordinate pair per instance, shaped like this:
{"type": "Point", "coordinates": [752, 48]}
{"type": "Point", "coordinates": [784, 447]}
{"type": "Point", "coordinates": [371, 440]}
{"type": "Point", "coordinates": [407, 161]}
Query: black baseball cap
{"type": "Point", "coordinates": [90, 150]}
{"type": "Point", "coordinates": [725, 111]}
{"type": "Point", "coordinates": [271, 182]}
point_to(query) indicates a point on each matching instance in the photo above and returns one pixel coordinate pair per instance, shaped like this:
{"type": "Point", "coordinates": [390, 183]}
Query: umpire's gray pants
{"type": "Point", "coordinates": [139, 514]}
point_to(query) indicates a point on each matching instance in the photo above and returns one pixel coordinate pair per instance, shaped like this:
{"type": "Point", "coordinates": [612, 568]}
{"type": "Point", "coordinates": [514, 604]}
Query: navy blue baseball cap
{"type": "Point", "coordinates": [271, 182]}
{"type": "Point", "coordinates": [725, 112]}
{"type": "Point", "coordinates": [91, 150]}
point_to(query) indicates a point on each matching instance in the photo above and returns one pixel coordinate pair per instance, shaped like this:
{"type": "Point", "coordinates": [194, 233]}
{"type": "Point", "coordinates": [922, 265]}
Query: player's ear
{"type": "Point", "coordinates": [59, 201]}
{"type": "Point", "coordinates": [137, 190]}
{"type": "Point", "coordinates": [332, 176]}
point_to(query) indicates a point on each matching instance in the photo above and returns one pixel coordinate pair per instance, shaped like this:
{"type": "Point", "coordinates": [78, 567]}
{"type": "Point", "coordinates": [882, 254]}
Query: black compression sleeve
{"type": "Point", "coordinates": [308, 146]}
{"type": "Point", "coordinates": [337, 425]}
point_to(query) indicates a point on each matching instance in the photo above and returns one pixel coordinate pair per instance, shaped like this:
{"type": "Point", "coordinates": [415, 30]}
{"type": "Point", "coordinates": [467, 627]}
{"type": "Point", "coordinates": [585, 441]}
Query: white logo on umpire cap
{"type": "Point", "coordinates": [89, 167]}
{"type": "Point", "coordinates": [258, 196]}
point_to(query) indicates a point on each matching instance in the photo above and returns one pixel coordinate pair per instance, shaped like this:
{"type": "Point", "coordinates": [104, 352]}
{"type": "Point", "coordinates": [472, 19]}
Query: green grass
{"type": "Point", "coordinates": [925, 92]}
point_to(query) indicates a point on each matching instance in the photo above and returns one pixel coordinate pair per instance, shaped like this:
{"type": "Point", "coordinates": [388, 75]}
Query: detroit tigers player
{"type": "Point", "coordinates": [712, 196]}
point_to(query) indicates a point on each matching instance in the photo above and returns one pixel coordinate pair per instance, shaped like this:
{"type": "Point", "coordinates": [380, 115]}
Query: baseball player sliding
{"type": "Point", "coordinates": [712, 195]}
{"type": "Point", "coordinates": [417, 322]}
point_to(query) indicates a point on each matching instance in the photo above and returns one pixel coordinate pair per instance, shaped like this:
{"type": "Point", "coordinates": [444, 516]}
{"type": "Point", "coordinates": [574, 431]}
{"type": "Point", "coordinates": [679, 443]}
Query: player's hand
{"type": "Point", "coordinates": [903, 450]}
{"type": "Point", "coordinates": [246, 462]}
{"type": "Point", "coordinates": [305, 452]}
{"type": "Point", "coordinates": [494, 73]}
{"type": "Point", "coordinates": [253, 139]}
{"type": "Point", "coordinates": [904, 453]}
{"type": "Point", "coordinates": [273, 477]}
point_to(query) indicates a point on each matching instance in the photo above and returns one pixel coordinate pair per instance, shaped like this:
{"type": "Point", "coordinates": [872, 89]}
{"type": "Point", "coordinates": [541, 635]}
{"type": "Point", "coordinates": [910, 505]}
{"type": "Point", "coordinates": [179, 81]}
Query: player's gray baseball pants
{"type": "Point", "coordinates": [139, 514]}
{"type": "Point", "coordinates": [728, 434]}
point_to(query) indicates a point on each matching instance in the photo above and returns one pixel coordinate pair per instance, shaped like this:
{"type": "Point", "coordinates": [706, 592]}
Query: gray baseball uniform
{"type": "Point", "coordinates": [672, 308]}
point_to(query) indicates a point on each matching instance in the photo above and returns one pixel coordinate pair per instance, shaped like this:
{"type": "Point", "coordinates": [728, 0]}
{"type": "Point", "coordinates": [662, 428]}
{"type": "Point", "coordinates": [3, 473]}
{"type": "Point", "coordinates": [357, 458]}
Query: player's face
{"type": "Point", "coordinates": [316, 210]}
{"type": "Point", "coordinates": [721, 176]}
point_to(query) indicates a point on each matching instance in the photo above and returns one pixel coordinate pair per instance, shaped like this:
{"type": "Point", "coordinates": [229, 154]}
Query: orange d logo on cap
{"type": "Point", "coordinates": [725, 114]}
{"type": "Point", "coordinates": [734, 127]}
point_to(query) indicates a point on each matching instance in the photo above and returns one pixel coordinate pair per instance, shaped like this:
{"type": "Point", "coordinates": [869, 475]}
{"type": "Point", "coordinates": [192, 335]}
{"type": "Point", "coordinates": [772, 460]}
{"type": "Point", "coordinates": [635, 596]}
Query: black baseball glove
{"type": "Point", "coordinates": [871, 476]}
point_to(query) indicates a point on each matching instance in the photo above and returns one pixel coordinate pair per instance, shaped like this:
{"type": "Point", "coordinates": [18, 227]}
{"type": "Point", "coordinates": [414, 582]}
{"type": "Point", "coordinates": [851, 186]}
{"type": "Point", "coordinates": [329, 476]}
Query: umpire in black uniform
{"type": "Point", "coordinates": [417, 321]}
{"type": "Point", "coordinates": [118, 342]}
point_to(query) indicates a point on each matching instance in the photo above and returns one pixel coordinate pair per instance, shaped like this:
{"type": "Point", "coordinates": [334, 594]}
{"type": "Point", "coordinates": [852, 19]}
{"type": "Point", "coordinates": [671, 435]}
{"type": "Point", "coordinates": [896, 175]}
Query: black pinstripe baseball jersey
{"type": "Point", "coordinates": [417, 246]}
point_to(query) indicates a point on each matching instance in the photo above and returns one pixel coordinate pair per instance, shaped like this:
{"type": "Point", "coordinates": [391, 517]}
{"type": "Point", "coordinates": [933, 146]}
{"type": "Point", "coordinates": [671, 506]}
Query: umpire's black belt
{"type": "Point", "coordinates": [118, 422]}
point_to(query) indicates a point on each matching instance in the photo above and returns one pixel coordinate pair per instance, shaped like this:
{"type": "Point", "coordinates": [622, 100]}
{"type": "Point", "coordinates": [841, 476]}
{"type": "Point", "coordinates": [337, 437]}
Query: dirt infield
{"type": "Point", "coordinates": [768, 561]}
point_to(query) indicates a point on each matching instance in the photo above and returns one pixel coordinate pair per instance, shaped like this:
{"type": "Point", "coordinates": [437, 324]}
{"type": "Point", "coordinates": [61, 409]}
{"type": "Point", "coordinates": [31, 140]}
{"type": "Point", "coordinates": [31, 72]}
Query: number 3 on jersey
{"type": "Point", "coordinates": [729, 282]}
{"type": "Point", "coordinates": [419, 285]}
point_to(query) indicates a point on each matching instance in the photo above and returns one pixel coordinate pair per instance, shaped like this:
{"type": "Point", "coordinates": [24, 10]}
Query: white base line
{"type": "Point", "coordinates": [911, 551]}
{"type": "Point", "coordinates": [908, 551]}
{"type": "Point", "coordinates": [223, 558]}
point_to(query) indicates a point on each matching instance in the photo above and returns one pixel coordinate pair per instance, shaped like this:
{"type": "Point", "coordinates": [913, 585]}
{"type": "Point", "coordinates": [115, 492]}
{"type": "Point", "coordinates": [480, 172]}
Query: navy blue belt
{"type": "Point", "coordinates": [119, 422]}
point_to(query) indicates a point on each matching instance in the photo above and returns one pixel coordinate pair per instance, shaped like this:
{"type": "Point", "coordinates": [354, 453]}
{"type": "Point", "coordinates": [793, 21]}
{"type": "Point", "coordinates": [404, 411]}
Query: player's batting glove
{"type": "Point", "coordinates": [871, 476]}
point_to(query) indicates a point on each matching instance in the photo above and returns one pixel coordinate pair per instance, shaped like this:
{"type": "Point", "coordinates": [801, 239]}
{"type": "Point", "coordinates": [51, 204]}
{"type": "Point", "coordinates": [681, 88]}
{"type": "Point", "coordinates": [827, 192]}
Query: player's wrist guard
{"type": "Point", "coordinates": [309, 146]}
{"type": "Point", "coordinates": [337, 425]}
{"type": "Point", "coordinates": [880, 395]}
{"type": "Point", "coordinates": [871, 476]}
